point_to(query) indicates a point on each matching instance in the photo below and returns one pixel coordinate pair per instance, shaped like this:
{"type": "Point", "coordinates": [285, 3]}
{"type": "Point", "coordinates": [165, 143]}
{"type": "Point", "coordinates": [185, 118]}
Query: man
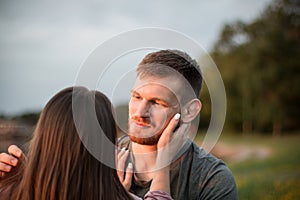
{"type": "Point", "coordinates": [169, 82]}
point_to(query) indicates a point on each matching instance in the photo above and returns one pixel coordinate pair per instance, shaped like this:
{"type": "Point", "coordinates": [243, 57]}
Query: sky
{"type": "Point", "coordinates": [43, 44]}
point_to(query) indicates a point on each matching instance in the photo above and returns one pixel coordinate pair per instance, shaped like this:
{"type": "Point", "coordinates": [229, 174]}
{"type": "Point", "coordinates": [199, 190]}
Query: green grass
{"type": "Point", "coordinates": [276, 176]}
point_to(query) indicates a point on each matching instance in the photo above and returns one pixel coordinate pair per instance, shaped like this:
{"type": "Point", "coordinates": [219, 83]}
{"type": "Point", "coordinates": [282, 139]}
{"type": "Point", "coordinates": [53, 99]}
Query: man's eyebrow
{"type": "Point", "coordinates": [156, 99]}
{"type": "Point", "coordinates": [134, 92]}
{"type": "Point", "coordinates": [159, 99]}
{"type": "Point", "coordinates": [152, 99]}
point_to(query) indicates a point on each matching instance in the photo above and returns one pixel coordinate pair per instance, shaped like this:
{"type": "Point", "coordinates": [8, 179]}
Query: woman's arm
{"type": "Point", "coordinates": [168, 146]}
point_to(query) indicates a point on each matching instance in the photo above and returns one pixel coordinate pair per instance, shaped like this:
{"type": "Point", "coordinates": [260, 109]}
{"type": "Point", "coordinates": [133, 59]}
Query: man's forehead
{"type": "Point", "coordinates": [169, 83]}
{"type": "Point", "coordinates": [156, 89]}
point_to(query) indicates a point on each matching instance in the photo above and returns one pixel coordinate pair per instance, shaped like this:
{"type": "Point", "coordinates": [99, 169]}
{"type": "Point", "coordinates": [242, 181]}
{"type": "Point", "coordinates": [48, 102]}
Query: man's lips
{"type": "Point", "coordinates": [141, 124]}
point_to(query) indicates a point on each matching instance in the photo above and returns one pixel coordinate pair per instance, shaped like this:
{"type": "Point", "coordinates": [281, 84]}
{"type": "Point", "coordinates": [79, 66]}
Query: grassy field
{"type": "Point", "coordinates": [264, 167]}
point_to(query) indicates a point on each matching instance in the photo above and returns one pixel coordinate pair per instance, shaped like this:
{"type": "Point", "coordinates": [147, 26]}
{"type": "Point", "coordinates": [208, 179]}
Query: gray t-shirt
{"type": "Point", "coordinates": [194, 174]}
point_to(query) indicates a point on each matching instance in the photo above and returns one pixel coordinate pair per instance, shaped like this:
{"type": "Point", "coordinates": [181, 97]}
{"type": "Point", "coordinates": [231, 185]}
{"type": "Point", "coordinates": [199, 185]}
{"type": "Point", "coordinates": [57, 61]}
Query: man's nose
{"type": "Point", "coordinates": [143, 108]}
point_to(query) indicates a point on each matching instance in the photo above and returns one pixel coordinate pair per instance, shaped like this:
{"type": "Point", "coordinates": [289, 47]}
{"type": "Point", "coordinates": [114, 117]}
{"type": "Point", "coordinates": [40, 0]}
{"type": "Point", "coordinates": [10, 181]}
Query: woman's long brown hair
{"type": "Point", "coordinates": [59, 166]}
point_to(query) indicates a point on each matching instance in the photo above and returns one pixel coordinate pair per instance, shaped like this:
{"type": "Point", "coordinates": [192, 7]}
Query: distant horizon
{"type": "Point", "coordinates": [42, 50]}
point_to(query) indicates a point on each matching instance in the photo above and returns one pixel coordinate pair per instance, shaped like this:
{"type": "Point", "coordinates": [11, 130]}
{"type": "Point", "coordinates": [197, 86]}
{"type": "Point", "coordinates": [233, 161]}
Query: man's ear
{"type": "Point", "coordinates": [191, 110]}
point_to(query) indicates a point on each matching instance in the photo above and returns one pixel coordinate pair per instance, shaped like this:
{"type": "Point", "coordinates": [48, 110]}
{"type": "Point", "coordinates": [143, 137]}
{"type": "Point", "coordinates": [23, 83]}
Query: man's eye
{"type": "Point", "coordinates": [136, 97]}
{"type": "Point", "coordinates": [159, 104]}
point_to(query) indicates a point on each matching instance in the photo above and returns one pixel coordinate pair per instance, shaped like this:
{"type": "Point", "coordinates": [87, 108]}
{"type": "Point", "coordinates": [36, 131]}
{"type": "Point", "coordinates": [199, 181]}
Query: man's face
{"type": "Point", "coordinates": [152, 105]}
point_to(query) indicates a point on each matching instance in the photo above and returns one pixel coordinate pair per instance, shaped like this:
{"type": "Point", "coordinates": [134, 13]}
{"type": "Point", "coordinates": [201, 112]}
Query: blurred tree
{"type": "Point", "coordinates": [260, 67]}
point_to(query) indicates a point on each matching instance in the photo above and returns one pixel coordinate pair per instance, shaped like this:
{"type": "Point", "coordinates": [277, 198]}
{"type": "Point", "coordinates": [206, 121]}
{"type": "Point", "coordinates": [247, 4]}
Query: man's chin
{"type": "Point", "coordinates": [145, 141]}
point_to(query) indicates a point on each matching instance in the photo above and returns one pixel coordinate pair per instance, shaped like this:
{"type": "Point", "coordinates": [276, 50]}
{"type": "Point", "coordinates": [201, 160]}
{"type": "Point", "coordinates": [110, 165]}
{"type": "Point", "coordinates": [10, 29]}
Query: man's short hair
{"type": "Point", "coordinates": [164, 62]}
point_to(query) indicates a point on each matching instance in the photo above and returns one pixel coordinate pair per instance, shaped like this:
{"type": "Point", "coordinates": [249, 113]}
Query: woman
{"type": "Point", "coordinates": [60, 167]}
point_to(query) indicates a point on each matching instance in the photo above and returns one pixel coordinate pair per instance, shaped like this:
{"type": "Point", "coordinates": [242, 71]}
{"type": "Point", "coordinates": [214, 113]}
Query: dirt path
{"type": "Point", "coordinates": [240, 153]}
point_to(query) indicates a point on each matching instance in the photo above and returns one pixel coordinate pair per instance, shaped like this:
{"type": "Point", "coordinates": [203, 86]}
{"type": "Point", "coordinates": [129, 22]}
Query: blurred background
{"type": "Point", "coordinates": [255, 45]}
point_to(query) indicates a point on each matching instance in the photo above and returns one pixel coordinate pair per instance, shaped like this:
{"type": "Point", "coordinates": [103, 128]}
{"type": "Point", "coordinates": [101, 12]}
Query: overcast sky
{"type": "Point", "coordinates": [44, 43]}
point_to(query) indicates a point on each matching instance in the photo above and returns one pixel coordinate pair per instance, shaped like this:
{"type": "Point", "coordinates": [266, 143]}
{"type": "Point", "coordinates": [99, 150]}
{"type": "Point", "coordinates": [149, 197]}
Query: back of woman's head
{"type": "Point", "coordinates": [59, 165]}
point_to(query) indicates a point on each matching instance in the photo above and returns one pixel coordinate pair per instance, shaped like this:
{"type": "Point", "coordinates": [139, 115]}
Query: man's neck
{"type": "Point", "coordinates": [143, 149]}
{"type": "Point", "coordinates": [144, 160]}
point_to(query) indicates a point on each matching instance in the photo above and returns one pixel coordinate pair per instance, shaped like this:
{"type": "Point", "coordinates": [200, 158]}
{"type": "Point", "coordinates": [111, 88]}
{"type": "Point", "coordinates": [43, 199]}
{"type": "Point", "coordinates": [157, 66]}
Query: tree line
{"type": "Point", "coordinates": [259, 63]}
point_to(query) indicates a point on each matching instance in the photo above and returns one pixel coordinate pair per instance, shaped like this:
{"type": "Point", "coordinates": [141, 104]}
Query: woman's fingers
{"type": "Point", "coordinates": [125, 178]}
{"type": "Point", "coordinates": [4, 168]}
{"type": "Point", "coordinates": [15, 151]}
{"type": "Point", "coordinates": [171, 142]}
{"type": "Point", "coordinates": [6, 159]}
{"type": "Point", "coordinates": [180, 135]}
{"type": "Point", "coordinates": [120, 163]}
{"type": "Point", "coordinates": [10, 160]}
{"type": "Point", "coordinates": [122, 157]}
{"type": "Point", "coordinates": [128, 177]}
{"type": "Point", "coordinates": [167, 133]}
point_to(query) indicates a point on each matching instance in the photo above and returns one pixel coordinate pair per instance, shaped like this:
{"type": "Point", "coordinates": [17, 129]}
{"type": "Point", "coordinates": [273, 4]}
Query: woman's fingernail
{"type": "Point", "coordinates": [130, 165]}
{"type": "Point", "coordinates": [123, 149]}
{"type": "Point", "coordinates": [177, 116]}
{"type": "Point", "coordinates": [14, 161]}
{"type": "Point", "coordinates": [19, 153]}
{"type": "Point", "coordinates": [8, 168]}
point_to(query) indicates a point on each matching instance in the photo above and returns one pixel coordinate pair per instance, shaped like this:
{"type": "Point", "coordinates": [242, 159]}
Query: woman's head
{"type": "Point", "coordinates": [59, 165]}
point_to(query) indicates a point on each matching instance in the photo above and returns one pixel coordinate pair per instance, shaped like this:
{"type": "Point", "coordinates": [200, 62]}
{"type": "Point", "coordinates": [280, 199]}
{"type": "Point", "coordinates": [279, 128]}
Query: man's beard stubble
{"type": "Point", "coordinates": [145, 141]}
{"type": "Point", "coordinates": [152, 140]}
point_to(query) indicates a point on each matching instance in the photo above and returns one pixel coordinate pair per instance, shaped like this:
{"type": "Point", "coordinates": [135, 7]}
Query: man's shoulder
{"type": "Point", "coordinates": [200, 154]}
{"type": "Point", "coordinates": [204, 160]}
{"type": "Point", "coordinates": [207, 176]}
{"type": "Point", "coordinates": [208, 170]}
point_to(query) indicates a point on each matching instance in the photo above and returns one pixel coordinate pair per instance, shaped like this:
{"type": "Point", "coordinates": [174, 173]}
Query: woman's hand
{"type": "Point", "coordinates": [171, 142]}
{"type": "Point", "coordinates": [168, 146]}
{"type": "Point", "coordinates": [11, 160]}
{"type": "Point", "coordinates": [124, 177]}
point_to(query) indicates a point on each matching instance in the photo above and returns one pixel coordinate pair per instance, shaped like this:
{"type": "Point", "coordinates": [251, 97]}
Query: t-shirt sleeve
{"type": "Point", "coordinates": [134, 196]}
{"type": "Point", "coordinates": [157, 195]}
